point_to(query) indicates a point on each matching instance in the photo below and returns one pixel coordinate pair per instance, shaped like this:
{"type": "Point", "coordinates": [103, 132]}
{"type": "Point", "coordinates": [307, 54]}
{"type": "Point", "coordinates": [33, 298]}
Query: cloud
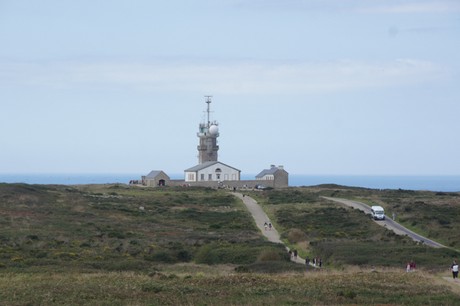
{"type": "Point", "coordinates": [239, 77]}
{"type": "Point", "coordinates": [411, 7]}
{"type": "Point", "coordinates": [360, 6]}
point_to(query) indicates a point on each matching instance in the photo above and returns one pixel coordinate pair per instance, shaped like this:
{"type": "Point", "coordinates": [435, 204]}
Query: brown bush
{"type": "Point", "coordinates": [295, 235]}
{"type": "Point", "coordinates": [269, 255]}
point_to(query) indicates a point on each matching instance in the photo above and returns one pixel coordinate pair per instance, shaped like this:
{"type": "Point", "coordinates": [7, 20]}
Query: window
{"type": "Point", "coordinates": [218, 176]}
{"type": "Point", "coordinates": [202, 177]}
{"type": "Point", "coordinates": [210, 177]}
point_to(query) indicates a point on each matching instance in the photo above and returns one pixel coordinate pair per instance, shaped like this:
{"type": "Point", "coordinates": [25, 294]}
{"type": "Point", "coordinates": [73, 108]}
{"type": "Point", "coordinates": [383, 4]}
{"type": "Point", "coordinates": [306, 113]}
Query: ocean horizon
{"type": "Point", "coordinates": [442, 183]}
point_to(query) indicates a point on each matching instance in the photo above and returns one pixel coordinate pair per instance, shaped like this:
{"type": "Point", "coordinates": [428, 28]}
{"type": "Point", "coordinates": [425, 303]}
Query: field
{"type": "Point", "coordinates": [344, 236]}
{"type": "Point", "coordinates": [118, 245]}
{"type": "Point", "coordinates": [121, 288]}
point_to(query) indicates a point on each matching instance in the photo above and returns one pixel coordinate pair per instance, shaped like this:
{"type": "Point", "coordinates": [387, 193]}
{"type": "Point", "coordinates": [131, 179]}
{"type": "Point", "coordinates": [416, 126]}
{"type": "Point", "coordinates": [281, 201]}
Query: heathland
{"type": "Point", "coordinates": [117, 245]}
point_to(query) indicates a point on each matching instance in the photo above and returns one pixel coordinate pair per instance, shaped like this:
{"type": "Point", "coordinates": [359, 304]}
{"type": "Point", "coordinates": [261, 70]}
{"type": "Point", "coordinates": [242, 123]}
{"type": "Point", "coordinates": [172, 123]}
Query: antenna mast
{"type": "Point", "coordinates": [208, 101]}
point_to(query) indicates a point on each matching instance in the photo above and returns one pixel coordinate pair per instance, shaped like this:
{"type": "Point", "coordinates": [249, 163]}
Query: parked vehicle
{"type": "Point", "coordinates": [378, 213]}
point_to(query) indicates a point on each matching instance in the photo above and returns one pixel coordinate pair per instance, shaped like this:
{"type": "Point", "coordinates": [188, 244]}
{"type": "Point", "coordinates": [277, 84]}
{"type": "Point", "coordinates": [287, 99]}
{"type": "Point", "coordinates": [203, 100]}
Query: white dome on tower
{"type": "Point", "coordinates": [214, 129]}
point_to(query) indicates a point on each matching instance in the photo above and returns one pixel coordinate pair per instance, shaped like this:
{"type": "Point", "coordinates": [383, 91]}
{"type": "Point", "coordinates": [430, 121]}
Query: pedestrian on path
{"type": "Point", "coordinates": [307, 261]}
{"type": "Point", "coordinates": [295, 254]}
{"type": "Point", "coordinates": [270, 226]}
{"type": "Point", "coordinates": [265, 225]}
{"type": "Point", "coordinates": [454, 269]}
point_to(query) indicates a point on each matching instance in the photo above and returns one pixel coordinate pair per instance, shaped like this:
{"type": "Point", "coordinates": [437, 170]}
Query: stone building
{"type": "Point", "coordinates": [275, 177]}
{"type": "Point", "coordinates": [156, 178]}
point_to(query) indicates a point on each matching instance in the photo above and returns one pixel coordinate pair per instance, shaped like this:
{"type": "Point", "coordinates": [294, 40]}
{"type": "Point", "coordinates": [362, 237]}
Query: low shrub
{"type": "Point", "coordinates": [296, 235]}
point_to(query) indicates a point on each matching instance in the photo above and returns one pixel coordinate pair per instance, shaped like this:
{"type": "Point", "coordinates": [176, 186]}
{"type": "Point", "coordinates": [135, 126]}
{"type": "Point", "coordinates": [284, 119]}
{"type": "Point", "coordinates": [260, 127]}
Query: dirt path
{"type": "Point", "coordinates": [388, 223]}
{"type": "Point", "coordinates": [261, 217]}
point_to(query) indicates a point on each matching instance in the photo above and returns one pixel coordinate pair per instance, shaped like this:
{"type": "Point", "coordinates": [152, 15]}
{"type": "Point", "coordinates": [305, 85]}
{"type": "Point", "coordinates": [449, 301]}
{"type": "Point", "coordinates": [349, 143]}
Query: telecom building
{"type": "Point", "coordinates": [209, 168]}
{"type": "Point", "coordinates": [210, 172]}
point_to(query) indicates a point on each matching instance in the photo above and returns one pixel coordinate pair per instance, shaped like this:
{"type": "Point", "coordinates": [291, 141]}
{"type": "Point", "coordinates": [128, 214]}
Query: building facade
{"type": "Point", "coordinates": [156, 178]}
{"type": "Point", "coordinates": [275, 177]}
{"type": "Point", "coordinates": [212, 171]}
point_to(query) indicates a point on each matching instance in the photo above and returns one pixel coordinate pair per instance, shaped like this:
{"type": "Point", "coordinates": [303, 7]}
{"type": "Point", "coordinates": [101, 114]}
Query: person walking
{"type": "Point", "coordinates": [265, 225]}
{"type": "Point", "coordinates": [408, 267]}
{"type": "Point", "coordinates": [454, 269]}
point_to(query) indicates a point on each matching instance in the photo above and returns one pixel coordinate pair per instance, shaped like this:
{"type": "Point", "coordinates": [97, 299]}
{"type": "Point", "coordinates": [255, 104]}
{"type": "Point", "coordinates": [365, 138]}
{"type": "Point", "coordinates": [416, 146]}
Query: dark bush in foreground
{"type": "Point", "coordinates": [222, 253]}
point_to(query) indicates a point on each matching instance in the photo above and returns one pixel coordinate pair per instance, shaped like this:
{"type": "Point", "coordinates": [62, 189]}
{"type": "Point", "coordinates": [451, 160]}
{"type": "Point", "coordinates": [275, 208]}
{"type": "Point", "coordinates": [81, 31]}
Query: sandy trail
{"type": "Point", "coordinates": [261, 217]}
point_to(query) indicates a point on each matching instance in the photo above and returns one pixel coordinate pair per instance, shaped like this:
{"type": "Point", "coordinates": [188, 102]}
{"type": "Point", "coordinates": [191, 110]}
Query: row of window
{"type": "Point", "coordinates": [191, 177]}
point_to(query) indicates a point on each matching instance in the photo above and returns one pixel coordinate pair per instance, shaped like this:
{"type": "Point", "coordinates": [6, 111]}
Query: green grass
{"type": "Point", "coordinates": [118, 245]}
{"type": "Point", "coordinates": [118, 228]}
{"type": "Point", "coordinates": [345, 236]}
{"type": "Point", "coordinates": [158, 288]}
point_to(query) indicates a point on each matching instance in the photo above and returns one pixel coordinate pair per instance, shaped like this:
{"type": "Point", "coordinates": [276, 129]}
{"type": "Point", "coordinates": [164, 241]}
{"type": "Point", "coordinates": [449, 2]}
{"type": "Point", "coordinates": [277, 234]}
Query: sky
{"type": "Point", "coordinates": [323, 87]}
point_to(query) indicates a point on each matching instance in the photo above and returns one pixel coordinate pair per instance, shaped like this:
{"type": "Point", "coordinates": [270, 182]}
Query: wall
{"type": "Point", "coordinates": [224, 184]}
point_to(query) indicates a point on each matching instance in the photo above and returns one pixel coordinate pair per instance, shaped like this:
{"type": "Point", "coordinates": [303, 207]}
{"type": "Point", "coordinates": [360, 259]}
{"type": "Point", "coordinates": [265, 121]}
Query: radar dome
{"type": "Point", "coordinates": [214, 129]}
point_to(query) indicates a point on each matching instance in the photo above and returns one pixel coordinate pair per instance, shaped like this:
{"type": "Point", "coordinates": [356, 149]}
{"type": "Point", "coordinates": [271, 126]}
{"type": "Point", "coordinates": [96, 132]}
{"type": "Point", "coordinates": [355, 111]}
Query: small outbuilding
{"type": "Point", "coordinates": [277, 177]}
{"type": "Point", "coordinates": [156, 178]}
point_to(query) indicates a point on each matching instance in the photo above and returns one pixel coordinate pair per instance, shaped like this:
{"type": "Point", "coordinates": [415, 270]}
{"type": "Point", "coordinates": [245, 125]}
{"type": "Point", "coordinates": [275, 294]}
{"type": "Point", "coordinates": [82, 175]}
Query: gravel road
{"type": "Point", "coordinates": [388, 223]}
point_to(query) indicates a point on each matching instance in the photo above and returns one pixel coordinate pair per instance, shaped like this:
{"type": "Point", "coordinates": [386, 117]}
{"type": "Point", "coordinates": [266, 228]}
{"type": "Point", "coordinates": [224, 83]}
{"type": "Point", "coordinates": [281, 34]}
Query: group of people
{"type": "Point", "coordinates": [410, 266]}
{"type": "Point", "coordinates": [316, 261]}
{"type": "Point", "coordinates": [293, 254]}
{"type": "Point", "coordinates": [268, 226]}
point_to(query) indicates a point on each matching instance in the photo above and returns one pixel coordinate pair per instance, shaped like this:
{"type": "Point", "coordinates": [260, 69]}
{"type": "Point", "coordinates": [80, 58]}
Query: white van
{"type": "Point", "coordinates": [378, 213]}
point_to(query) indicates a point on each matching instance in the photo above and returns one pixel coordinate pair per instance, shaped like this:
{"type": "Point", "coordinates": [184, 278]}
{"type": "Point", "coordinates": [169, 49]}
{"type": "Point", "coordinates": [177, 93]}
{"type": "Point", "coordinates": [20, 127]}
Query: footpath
{"type": "Point", "coordinates": [261, 217]}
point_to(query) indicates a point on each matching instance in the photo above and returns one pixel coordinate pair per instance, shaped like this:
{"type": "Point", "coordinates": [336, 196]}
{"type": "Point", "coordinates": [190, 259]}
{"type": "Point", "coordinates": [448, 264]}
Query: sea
{"type": "Point", "coordinates": [431, 183]}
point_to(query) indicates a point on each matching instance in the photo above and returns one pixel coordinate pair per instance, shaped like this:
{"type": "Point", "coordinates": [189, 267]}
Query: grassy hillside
{"type": "Point", "coordinates": [344, 236]}
{"type": "Point", "coordinates": [118, 245]}
{"type": "Point", "coordinates": [121, 228]}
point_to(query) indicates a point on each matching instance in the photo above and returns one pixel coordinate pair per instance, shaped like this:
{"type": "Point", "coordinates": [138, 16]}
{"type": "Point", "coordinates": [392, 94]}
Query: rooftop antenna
{"type": "Point", "coordinates": [208, 101]}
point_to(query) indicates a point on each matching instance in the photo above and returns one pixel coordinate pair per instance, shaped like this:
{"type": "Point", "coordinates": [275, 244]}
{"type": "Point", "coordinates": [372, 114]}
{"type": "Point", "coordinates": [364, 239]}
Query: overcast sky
{"type": "Point", "coordinates": [319, 86]}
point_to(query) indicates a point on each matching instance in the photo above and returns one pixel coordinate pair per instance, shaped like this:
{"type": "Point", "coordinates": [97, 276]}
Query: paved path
{"type": "Point", "coordinates": [261, 217]}
{"type": "Point", "coordinates": [388, 223]}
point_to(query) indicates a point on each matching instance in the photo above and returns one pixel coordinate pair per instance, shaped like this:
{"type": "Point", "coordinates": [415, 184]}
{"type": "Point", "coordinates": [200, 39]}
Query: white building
{"type": "Point", "coordinates": [212, 171]}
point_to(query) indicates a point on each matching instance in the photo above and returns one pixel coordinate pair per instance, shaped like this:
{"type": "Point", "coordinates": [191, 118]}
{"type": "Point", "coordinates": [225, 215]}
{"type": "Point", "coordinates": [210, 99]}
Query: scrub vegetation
{"type": "Point", "coordinates": [345, 236]}
{"type": "Point", "coordinates": [117, 245]}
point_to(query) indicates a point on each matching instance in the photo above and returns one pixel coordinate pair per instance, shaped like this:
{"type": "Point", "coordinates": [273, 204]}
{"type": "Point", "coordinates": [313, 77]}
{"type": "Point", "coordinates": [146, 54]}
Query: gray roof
{"type": "Point", "coordinates": [153, 174]}
{"type": "Point", "coordinates": [265, 172]}
{"type": "Point", "coordinates": [206, 165]}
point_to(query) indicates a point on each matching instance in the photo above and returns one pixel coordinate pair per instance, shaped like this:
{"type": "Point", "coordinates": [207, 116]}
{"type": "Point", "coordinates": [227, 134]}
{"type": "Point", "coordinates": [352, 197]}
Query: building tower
{"type": "Point", "coordinates": [208, 133]}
